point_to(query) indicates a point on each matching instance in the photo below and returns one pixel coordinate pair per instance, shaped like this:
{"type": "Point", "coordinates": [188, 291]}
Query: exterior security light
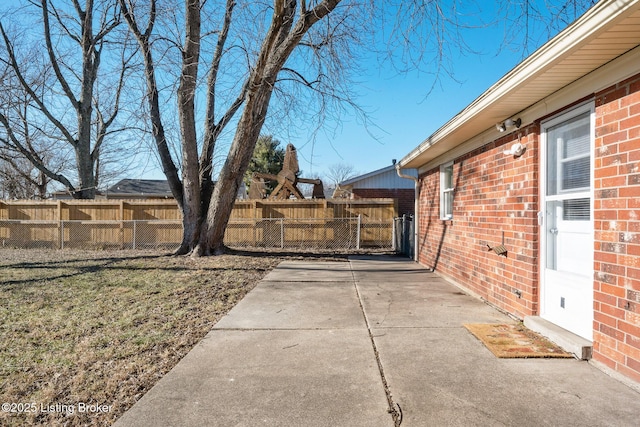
{"type": "Point", "coordinates": [509, 123]}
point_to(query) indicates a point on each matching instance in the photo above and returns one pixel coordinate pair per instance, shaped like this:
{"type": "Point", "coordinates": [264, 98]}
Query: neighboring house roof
{"type": "Point", "coordinates": [66, 195]}
{"type": "Point", "coordinates": [149, 188]}
{"type": "Point", "coordinates": [605, 32]}
{"type": "Point", "coordinates": [140, 188]}
{"type": "Point", "coordinates": [386, 177]}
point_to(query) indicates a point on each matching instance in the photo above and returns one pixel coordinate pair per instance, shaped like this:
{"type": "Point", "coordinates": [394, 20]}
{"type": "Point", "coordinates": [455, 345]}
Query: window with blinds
{"type": "Point", "coordinates": [568, 148]}
{"type": "Point", "coordinates": [576, 209]}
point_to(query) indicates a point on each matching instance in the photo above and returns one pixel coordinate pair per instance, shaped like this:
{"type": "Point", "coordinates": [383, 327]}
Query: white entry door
{"type": "Point", "coordinates": [567, 224]}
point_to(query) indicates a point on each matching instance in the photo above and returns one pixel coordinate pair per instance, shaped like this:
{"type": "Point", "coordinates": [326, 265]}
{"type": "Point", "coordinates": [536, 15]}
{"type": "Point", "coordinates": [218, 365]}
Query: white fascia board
{"type": "Point", "coordinates": [616, 71]}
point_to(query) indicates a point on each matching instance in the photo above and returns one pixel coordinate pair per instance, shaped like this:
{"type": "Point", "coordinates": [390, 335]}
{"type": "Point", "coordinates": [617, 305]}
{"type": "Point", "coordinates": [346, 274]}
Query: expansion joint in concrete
{"type": "Point", "coordinates": [393, 408]}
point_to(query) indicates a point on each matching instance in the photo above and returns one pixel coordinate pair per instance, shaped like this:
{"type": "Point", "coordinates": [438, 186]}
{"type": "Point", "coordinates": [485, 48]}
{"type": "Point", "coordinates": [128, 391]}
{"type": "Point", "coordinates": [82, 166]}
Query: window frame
{"type": "Point", "coordinates": [446, 193]}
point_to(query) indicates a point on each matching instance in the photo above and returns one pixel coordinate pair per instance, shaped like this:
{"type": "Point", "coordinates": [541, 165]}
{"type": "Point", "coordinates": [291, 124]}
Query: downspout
{"type": "Point", "coordinates": [416, 204]}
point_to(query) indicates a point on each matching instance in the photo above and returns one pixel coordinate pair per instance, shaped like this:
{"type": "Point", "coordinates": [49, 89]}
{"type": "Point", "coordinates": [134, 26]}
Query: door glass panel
{"type": "Point", "coordinates": [577, 140]}
{"type": "Point", "coordinates": [568, 212]}
{"type": "Point", "coordinates": [575, 174]}
{"type": "Point", "coordinates": [568, 162]}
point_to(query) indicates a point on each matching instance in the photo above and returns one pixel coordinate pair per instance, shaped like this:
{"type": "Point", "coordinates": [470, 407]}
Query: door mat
{"type": "Point", "coordinates": [515, 341]}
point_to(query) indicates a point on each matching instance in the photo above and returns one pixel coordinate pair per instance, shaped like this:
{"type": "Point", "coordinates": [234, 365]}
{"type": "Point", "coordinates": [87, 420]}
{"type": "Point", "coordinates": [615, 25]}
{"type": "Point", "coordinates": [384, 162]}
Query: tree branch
{"type": "Point", "coordinates": [64, 27]}
{"type": "Point", "coordinates": [157, 128]}
{"type": "Point", "coordinates": [212, 131]}
{"type": "Point", "coordinates": [14, 142]}
{"type": "Point", "coordinates": [16, 68]}
{"type": "Point", "coordinates": [301, 78]}
{"type": "Point", "coordinates": [52, 56]}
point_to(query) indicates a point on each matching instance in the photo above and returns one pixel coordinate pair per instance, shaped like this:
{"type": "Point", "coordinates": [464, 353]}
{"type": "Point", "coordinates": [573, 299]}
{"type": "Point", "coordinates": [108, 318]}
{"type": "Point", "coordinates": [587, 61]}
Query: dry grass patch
{"type": "Point", "coordinates": [102, 327]}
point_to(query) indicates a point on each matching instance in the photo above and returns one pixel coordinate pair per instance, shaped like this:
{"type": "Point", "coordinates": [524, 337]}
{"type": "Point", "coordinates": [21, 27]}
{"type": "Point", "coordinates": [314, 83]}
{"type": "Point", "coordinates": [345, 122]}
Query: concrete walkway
{"type": "Point", "coordinates": [340, 343]}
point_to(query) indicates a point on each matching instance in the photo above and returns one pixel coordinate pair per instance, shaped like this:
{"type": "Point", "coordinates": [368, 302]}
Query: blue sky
{"type": "Point", "coordinates": [402, 108]}
{"type": "Point", "coordinates": [405, 113]}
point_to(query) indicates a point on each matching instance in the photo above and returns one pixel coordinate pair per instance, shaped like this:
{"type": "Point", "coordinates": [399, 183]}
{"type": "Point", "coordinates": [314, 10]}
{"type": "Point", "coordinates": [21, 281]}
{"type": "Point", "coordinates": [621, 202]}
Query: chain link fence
{"type": "Point", "coordinates": [278, 233]}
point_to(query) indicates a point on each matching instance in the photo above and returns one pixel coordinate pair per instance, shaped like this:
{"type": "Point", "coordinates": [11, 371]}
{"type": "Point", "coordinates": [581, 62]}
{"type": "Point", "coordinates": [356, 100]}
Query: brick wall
{"type": "Point", "coordinates": [617, 228]}
{"type": "Point", "coordinates": [405, 197]}
{"type": "Point", "coordinates": [495, 195]}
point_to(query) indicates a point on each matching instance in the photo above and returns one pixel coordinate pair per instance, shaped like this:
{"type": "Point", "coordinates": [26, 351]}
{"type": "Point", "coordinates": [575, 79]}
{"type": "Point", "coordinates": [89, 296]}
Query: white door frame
{"type": "Point", "coordinates": [586, 330]}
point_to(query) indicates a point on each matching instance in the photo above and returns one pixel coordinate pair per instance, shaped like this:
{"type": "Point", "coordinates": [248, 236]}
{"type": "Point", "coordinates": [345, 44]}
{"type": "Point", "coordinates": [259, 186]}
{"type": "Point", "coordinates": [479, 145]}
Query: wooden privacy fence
{"type": "Point", "coordinates": [333, 224]}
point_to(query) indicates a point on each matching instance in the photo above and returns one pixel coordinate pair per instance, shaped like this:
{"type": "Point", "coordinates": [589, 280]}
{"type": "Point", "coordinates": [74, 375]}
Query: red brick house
{"type": "Point", "coordinates": [381, 184]}
{"type": "Point", "coordinates": [545, 165]}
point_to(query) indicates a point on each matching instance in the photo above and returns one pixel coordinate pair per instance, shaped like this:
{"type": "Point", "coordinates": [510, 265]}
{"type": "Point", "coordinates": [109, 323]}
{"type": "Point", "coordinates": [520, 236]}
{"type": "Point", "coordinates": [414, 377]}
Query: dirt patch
{"type": "Point", "coordinates": [83, 335]}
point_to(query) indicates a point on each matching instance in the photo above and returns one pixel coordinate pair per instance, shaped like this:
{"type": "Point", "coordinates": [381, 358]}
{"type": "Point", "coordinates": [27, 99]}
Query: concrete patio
{"type": "Point", "coordinates": [348, 343]}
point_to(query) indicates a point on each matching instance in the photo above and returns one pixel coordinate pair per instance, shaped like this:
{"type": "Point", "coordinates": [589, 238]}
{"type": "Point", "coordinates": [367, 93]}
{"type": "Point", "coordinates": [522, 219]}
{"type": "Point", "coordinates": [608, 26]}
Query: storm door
{"type": "Point", "coordinates": [567, 223]}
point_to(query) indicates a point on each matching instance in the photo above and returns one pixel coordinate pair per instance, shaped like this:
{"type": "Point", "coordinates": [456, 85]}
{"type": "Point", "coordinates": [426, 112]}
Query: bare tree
{"type": "Point", "coordinates": [255, 62]}
{"type": "Point", "coordinates": [531, 23]}
{"type": "Point", "coordinates": [19, 179]}
{"type": "Point", "coordinates": [339, 172]}
{"type": "Point", "coordinates": [263, 51]}
{"type": "Point", "coordinates": [69, 100]}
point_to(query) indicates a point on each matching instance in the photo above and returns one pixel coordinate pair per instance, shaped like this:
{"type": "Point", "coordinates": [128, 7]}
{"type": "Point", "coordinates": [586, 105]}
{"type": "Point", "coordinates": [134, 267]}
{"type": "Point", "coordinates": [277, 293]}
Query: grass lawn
{"type": "Point", "coordinates": [100, 328]}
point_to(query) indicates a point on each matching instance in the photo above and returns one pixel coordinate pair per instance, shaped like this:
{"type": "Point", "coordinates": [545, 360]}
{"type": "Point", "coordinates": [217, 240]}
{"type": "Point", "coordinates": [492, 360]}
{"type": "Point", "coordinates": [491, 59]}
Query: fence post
{"type": "Point", "coordinates": [281, 233]}
{"type": "Point", "coordinates": [358, 232]}
{"type": "Point", "coordinates": [134, 234]}
{"type": "Point", "coordinates": [61, 234]}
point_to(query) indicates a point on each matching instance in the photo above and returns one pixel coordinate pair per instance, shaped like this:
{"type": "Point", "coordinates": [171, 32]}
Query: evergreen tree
{"type": "Point", "coordinates": [268, 157]}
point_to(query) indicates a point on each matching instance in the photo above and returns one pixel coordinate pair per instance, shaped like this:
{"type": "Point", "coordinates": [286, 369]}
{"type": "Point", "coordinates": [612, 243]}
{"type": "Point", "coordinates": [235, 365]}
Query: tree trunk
{"type": "Point", "coordinates": [186, 115]}
{"type": "Point", "coordinates": [42, 185]}
{"type": "Point", "coordinates": [211, 241]}
{"type": "Point", "coordinates": [206, 213]}
{"type": "Point", "coordinates": [283, 36]}
{"type": "Point", "coordinates": [86, 182]}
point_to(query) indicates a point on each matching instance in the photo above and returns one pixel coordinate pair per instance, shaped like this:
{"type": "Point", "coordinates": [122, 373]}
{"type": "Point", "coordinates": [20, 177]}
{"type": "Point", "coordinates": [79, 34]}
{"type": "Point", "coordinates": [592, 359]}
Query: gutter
{"type": "Point", "coordinates": [416, 204]}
